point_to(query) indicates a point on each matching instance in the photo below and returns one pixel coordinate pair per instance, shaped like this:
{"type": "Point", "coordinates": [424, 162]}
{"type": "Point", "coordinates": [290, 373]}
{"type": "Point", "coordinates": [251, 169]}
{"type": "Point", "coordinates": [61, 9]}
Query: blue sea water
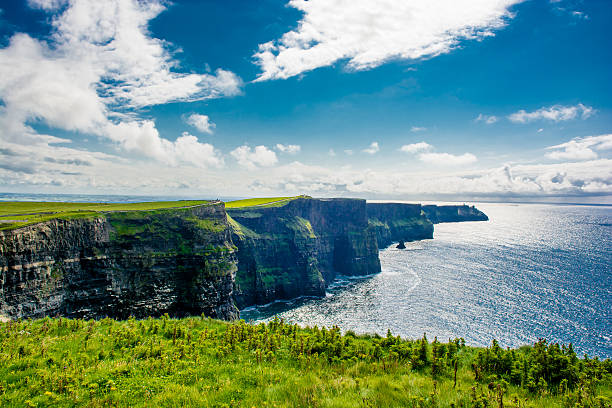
{"type": "Point", "coordinates": [532, 271]}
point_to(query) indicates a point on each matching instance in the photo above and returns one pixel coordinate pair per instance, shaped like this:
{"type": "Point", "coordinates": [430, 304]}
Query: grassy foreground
{"type": "Point", "coordinates": [14, 214]}
{"type": "Point", "coordinates": [198, 362]}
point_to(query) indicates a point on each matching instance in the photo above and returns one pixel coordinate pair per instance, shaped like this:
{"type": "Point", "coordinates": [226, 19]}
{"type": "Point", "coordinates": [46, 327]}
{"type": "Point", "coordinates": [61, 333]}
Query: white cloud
{"type": "Point", "coordinates": [580, 148]}
{"type": "Point", "coordinates": [556, 113]}
{"type": "Point", "coordinates": [187, 149]}
{"type": "Point", "coordinates": [289, 149]}
{"type": "Point", "coordinates": [348, 152]}
{"type": "Point", "coordinates": [201, 122]}
{"type": "Point", "coordinates": [447, 159]}
{"type": "Point", "coordinates": [372, 149]}
{"type": "Point", "coordinates": [143, 137]}
{"type": "Point", "coordinates": [367, 33]}
{"type": "Point", "coordinates": [251, 158]}
{"type": "Point", "coordinates": [582, 178]}
{"type": "Point", "coordinates": [136, 69]}
{"type": "Point", "coordinates": [438, 159]}
{"type": "Point", "coordinates": [47, 4]}
{"type": "Point", "coordinates": [418, 129]}
{"type": "Point", "coordinates": [332, 153]}
{"type": "Point", "coordinates": [416, 147]}
{"type": "Point", "coordinates": [99, 65]}
{"type": "Point", "coordinates": [580, 14]}
{"type": "Point", "coordinates": [488, 119]}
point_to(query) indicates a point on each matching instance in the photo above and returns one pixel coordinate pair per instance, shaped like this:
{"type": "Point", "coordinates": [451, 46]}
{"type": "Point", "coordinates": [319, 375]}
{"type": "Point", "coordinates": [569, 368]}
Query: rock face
{"type": "Point", "coordinates": [394, 222]}
{"type": "Point", "coordinates": [297, 249]}
{"type": "Point", "coordinates": [179, 261]}
{"type": "Point", "coordinates": [453, 213]}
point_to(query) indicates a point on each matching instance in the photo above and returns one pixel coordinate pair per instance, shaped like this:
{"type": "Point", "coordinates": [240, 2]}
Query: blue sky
{"type": "Point", "coordinates": [471, 99]}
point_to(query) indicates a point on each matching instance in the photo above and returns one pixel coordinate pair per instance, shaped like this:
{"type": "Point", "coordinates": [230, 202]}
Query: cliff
{"type": "Point", "coordinates": [296, 249]}
{"type": "Point", "coordinates": [140, 263]}
{"type": "Point", "coordinates": [395, 222]}
{"type": "Point", "coordinates": [195, 259]}
{"type": "Point", "coordinates": [453, 213]}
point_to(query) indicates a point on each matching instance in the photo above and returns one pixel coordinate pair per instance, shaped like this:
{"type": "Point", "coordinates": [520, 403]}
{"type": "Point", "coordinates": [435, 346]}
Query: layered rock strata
{"type": "Point", "coordinates": [298, 248]}
{"type": "Point", "coordinates": [139, 263]}
{"type": "Point", "coordinates": [395, 222]}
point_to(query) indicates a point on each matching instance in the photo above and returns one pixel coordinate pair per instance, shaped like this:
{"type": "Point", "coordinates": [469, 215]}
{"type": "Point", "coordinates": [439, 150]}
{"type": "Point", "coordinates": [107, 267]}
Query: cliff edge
{"type": "Point", "coordinates": [395, 222]}
{"type": "Point", "coordinates": [453, 213]}
{"type": "Point", "coordinates": [297, 248]}
{"type": "Point", "coordinates": [139, 263]}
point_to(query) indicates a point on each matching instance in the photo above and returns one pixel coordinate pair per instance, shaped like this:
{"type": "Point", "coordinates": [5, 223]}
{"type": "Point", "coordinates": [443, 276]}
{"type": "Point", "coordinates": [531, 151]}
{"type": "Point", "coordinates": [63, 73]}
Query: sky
{"type": "Point", "coordinates": [411, 100]}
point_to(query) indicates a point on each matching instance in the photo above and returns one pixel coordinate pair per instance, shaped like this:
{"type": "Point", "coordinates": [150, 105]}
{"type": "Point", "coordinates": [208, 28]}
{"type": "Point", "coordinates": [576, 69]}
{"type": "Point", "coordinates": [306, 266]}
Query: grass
{"type": "Point", "coordinates": [261, 202]}
{"type": "Point", "coordinates": [15, 214]}
{"type": "Point", "coordinates": [199, 362]}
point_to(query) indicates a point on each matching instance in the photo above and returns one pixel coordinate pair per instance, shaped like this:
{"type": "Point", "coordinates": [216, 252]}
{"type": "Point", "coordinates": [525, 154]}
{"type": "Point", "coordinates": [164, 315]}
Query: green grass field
{"type": "Point", "coordinates": [198, 362]}
{"type": "Point", "coordinates": [15, 214]}
{"type": "Point", "coordinates": [261, 202]}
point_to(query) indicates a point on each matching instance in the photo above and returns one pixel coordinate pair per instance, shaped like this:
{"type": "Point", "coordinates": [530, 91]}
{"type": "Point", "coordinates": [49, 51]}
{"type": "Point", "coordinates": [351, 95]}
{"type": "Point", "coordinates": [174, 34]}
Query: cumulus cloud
{"type": "Point", "coordinates": [447, 159]}
{"type": "Point", "coordinates": [437, 159]}
{"type": "Point", "coordinates": [556, 113]}
{"type": "Point", "coordinates": [289, 149]}
{"type": "Point", "coordinates": [98, 67]}
{"type": "Point", "coordinates": [418, 129]}
{"type": "Point", "coordinates": [416, 147]}
{"type": "Point", "coordinates": [252, 158]}
{"type": "Point", "coordinates": [488, 119]}
{"type": "Point", "coordinates": [372, 149]}
{"type": "Point", "coordinates": [580, 148]}
{"type": "Point", "coordinates": [201, 122]}
{"type": "Point", "coordinates": [581, 178]}
{"type": "Point", "coordinates": [367, 33]}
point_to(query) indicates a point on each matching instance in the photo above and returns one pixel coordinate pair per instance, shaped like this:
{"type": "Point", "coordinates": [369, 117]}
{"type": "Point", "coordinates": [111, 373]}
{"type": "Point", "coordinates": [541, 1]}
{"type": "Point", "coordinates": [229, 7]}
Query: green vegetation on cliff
{"type": "Point", "coordinates": [208, 363]}
{"type": "Point", "coordinates": [15, 214]}
{"type": "Point", "coordinates": [261, 202]}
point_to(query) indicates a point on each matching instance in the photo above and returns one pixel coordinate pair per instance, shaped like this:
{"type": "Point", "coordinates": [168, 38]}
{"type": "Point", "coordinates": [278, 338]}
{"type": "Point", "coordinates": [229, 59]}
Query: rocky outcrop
{"type": "Point", "coordinates": [298, 248]}
{"type": "Point", "coordinates": [179, 261]}
{"type": "Point", "coordinates": [453, 213]}
{"type": "Point", "coordinates": [395, 222]}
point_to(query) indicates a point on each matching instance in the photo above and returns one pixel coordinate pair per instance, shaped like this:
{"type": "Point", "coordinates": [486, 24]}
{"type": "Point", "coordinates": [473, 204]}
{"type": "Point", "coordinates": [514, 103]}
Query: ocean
{"type": "Point", "coordinates": [533, 271]}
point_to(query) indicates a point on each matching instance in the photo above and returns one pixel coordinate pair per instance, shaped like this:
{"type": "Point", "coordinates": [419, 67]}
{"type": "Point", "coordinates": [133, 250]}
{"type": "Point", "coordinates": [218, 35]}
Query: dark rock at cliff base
{"type": "Point", "coordinates": [139, 263]}
{"type": "Point", "coordinates": [298, 248]}
{"type": "Point", "coordinates": [401, 245]}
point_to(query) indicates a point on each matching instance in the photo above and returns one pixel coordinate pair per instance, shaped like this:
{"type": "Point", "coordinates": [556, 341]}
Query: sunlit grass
{"type": "Point", "coordinates": [267, 202]}
{"type": "Point", "coordinates": [197, 362]}
{"type": "Point", "coordinates": [14, 214]}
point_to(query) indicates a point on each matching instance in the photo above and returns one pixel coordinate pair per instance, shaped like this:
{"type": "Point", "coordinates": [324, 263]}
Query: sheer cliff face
{"type": "Point", "coordinates": [453, 213]}
{"type": "Point", "coordinates": [126, 263]}
{"type": "Point", "coordinates": [394, 222]}
{"type": "Point", "coordinates": [296, 249]}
